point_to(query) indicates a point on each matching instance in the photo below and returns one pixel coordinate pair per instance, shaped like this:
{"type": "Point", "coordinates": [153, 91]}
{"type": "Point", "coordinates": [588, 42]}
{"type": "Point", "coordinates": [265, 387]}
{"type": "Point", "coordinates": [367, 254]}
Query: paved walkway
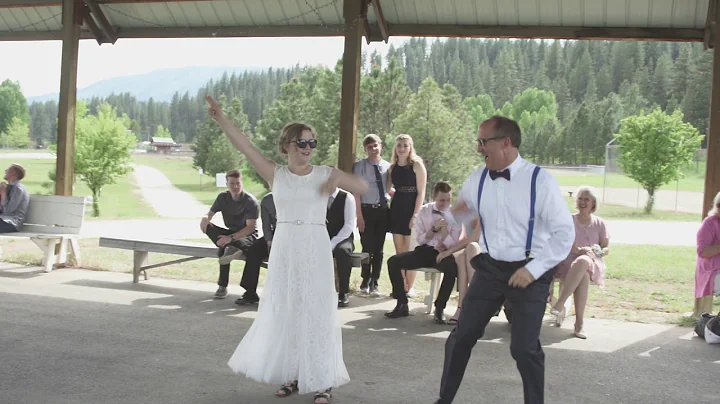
{"type": "Point", "coordinates": [164, 197]}
{"type": "Point", "coordinates": [75, 336]}
{"type": "Point", "coordinates": [622, 231]}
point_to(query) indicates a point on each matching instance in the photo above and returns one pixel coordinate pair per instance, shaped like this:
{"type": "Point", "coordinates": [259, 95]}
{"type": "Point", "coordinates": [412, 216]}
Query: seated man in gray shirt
{"type": "Point", "coordinates": [240, 212]}
{"type": "Point", "coordinates": [259, 252]}
{"type": "Point", "coordinates": [14, 200]}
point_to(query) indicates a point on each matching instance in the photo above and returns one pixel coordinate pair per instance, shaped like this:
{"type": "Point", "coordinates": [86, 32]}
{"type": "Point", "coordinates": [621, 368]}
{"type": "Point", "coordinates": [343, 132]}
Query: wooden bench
{"type": "Point", "coordinates": [53, 223]}
{"type": "Point", "coordinates": [192, 250]}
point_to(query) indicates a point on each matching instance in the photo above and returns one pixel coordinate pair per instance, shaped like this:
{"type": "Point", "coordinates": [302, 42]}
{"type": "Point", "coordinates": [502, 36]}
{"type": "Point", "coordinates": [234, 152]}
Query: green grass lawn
{"type": "Point", "coordinates": [644, 283]}
{"type": "Point", "coordinates": [619, 212]}
{"type": "Point", "coordinates": [118, 201]}
{"type": "Point", "coordinates": [693, 181]}
{"type": "Point", "coordinates": [181, 173]}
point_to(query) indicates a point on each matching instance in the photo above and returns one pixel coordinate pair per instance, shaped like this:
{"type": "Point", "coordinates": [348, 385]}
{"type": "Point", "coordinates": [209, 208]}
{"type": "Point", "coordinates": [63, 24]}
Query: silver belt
{"type": "Point", "coordinates": [301, 222]}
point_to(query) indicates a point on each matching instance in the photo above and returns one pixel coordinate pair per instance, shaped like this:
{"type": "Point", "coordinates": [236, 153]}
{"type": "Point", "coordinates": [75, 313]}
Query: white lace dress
{"type": "Point", "coordinates": [297, 334]}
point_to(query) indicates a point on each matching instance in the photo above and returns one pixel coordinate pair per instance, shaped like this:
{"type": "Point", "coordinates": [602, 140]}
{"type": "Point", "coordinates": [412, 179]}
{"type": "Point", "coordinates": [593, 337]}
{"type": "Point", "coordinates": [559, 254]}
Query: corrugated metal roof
{"type": "Point", "coordinates": [45, 15]}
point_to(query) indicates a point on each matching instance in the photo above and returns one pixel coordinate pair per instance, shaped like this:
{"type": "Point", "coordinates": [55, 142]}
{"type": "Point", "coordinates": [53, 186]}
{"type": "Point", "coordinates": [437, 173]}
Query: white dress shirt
{"type": "Point", "coordinates": [505, 210]}
{"type": "Point", "coordinates": [350, 219]}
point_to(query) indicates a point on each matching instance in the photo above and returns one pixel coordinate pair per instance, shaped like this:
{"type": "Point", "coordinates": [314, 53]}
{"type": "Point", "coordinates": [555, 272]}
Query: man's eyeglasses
{"type": "Point", "coordinates": [482, 142]}
{"type": "Point", "coordinates": [303, 143]}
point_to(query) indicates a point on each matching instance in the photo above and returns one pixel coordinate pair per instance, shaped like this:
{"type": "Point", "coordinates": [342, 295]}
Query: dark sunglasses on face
{"type": "Point", "coordinates": [302, 143]}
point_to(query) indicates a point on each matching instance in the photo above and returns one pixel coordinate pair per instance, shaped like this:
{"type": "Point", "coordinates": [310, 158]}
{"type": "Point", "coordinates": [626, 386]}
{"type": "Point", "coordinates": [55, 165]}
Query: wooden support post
{"type": "Point", "coordinates": [350, 102]}
{"type": "Point", "coordinates": [72, 20]}
{"type": "Point", "coordinates": [712, 169]}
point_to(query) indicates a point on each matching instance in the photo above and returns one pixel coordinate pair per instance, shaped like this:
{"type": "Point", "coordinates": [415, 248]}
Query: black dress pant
{"type": "Point", "coordinates": [486, 293]}
{"type": "Point", "coordinates": [343, 263]}
{"type": "Point", "coordinates": [422, 256]}
{"type": "Point", "coordinates": [372, 240]}
{"type": "Point", "coordinates": [254, 257]}
{"type": "Point", "coordinates": [214, 232]}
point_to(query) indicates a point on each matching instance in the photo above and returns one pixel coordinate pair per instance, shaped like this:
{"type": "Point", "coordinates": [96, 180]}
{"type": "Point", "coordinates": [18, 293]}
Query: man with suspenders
{"type": "Point", "coordinates": [527, 229]}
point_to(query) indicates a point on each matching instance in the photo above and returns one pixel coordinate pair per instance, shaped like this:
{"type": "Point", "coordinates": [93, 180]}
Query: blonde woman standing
{"type": "Point", "coordinates": [409, 177]}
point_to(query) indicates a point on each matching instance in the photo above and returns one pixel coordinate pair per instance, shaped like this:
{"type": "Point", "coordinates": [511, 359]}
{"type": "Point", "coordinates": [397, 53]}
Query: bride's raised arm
{"type": "Point", "coordinates": [263, 165]}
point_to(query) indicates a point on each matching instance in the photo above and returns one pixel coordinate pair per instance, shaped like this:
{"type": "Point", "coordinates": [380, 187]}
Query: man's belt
{"type": "Point", "coordinates": [373, 205]}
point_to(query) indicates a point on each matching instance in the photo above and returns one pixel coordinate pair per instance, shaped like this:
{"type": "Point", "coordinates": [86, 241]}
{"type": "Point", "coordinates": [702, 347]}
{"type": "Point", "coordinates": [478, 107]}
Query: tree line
{"type": "Point", "coordinates": [568, 96]}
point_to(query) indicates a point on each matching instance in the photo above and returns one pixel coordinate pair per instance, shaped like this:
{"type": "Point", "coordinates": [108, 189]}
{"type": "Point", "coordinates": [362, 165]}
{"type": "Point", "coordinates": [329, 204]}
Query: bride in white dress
{"type": "Point", "coordinates": [296, 339]}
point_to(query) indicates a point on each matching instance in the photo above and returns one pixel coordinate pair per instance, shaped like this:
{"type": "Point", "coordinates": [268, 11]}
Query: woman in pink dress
{"type": "Point", "coordinates": [584, 266]}
{"type": "Point", "coordinates": [707, 270]}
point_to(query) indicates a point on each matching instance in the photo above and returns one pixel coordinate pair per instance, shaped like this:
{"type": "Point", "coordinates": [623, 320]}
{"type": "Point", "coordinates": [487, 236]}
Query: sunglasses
{"type": "Point", "coordinates": [303, 143]}
{"type": "Point", "coordinates": [482, 142]}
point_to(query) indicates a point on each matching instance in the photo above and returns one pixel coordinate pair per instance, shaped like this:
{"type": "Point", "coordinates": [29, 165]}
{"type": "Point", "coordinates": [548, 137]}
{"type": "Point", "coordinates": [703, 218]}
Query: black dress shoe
{"type": "Point", "coordinates": [401, 310]}
{"type": "Point", "coordinates": [343, 300]}
{"type": "Point", "coordinates": [247, 299]}
{"type": "Point", "coordinates": [439, 316]}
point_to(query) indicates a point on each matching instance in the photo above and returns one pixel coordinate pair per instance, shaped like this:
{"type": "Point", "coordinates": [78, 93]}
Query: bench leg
{"type": "Point", "coordinates": [75, 247]}
{"type": "Point", "coordinates": [49, 258]}
{"type": "Point", "coordinates": [434, 282]}
{"type": "Point", "coordinates": [62, 254]}
{"type": "Point", "coordinates": [139, 258]}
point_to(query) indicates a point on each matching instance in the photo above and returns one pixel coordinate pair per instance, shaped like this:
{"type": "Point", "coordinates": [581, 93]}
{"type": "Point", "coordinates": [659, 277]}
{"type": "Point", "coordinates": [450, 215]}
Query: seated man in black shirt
{"type": "Point", "coordinates": [240, 212]}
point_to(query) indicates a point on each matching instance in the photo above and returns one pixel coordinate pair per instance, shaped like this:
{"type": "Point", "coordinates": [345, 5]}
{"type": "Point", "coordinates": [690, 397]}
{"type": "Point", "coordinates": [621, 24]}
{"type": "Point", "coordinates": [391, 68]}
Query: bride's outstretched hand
{"type": "Point", "coordinates": [215, 110]}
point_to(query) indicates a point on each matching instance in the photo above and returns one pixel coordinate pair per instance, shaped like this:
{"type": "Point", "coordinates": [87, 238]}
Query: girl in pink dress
{"type": "Point", "coordinates": [584, 266]}
{"type": "Point", "coordinates": [707, 269]}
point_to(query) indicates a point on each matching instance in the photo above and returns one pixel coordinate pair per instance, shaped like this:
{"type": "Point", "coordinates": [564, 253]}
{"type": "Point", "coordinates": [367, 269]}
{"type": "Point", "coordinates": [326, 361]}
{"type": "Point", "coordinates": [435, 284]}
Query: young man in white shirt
{"type": "Point", "coordinates": [341, 222]}
{"type": "Point", "coordinates": [526, 231]}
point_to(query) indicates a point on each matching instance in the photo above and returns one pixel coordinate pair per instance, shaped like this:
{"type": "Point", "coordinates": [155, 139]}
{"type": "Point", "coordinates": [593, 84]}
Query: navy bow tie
{"type": "Point", "coordinates": [504, 173]}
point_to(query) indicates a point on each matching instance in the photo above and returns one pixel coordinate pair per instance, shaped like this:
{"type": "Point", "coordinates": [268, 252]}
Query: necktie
{"type": "Point", "coordinates": [381, 189]}
{"type": "Point", "coordinates": [330, 202]}
{"type": "Point", "coordinates": [9, 191]}
{"type": "Point", "coordinates": [504, 174]}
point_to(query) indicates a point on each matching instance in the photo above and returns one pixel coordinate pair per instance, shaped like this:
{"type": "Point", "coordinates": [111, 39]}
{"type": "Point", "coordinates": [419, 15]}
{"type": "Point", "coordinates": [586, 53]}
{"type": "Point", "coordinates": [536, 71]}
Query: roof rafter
{"type": "Point", "coordinates": [58, 3]}
{"type": "Point", "coordinates": [382, 25]}
{"type": "Point", "coordinates": [468, 31]}
{"type": "Point", "coordinates": [92, 26]}
{"type": "Point", "coordinates": [98, 14]}
{"type": "Point", "coordinates": [710, 24]}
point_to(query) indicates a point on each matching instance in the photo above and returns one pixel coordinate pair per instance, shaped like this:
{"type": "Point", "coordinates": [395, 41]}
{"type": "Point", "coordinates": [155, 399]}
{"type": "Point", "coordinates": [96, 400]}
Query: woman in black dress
{"type": "Point", "coordinates": [409, 177]}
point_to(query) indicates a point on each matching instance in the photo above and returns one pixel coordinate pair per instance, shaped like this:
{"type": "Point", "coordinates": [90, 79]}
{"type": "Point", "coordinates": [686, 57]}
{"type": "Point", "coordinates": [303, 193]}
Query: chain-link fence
{"type": "Point", "coordinates": [683, 195]}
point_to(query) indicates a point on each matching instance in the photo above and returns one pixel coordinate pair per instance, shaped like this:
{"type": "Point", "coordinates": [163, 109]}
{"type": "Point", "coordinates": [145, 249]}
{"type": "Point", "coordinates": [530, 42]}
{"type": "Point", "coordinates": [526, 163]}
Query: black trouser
{"type": "Point", "coordinates": [343, 263]}
{"type": "Point", "coordinates": [214, 232]}
{"type": "Point", "coordinates": [422, 256]}
{"type": "Point", "coordinates": [486, 293]}
{"type": "Point", "coordinates": [6, 227]}
{"type": "Point", "coordinates": [254, 257]}
{"type": "Point", "coordinates": [373, 242]}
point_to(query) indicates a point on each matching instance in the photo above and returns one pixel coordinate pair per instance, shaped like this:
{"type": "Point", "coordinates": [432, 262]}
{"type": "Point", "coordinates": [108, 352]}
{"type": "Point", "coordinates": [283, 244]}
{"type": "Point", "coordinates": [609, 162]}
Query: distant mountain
{"type": "Point", "coordinates": [158, 84]}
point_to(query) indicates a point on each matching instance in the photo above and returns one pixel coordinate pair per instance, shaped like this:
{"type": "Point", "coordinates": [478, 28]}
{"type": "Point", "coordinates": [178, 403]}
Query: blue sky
{"type": "Point", "coordinates": [36, 65]}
